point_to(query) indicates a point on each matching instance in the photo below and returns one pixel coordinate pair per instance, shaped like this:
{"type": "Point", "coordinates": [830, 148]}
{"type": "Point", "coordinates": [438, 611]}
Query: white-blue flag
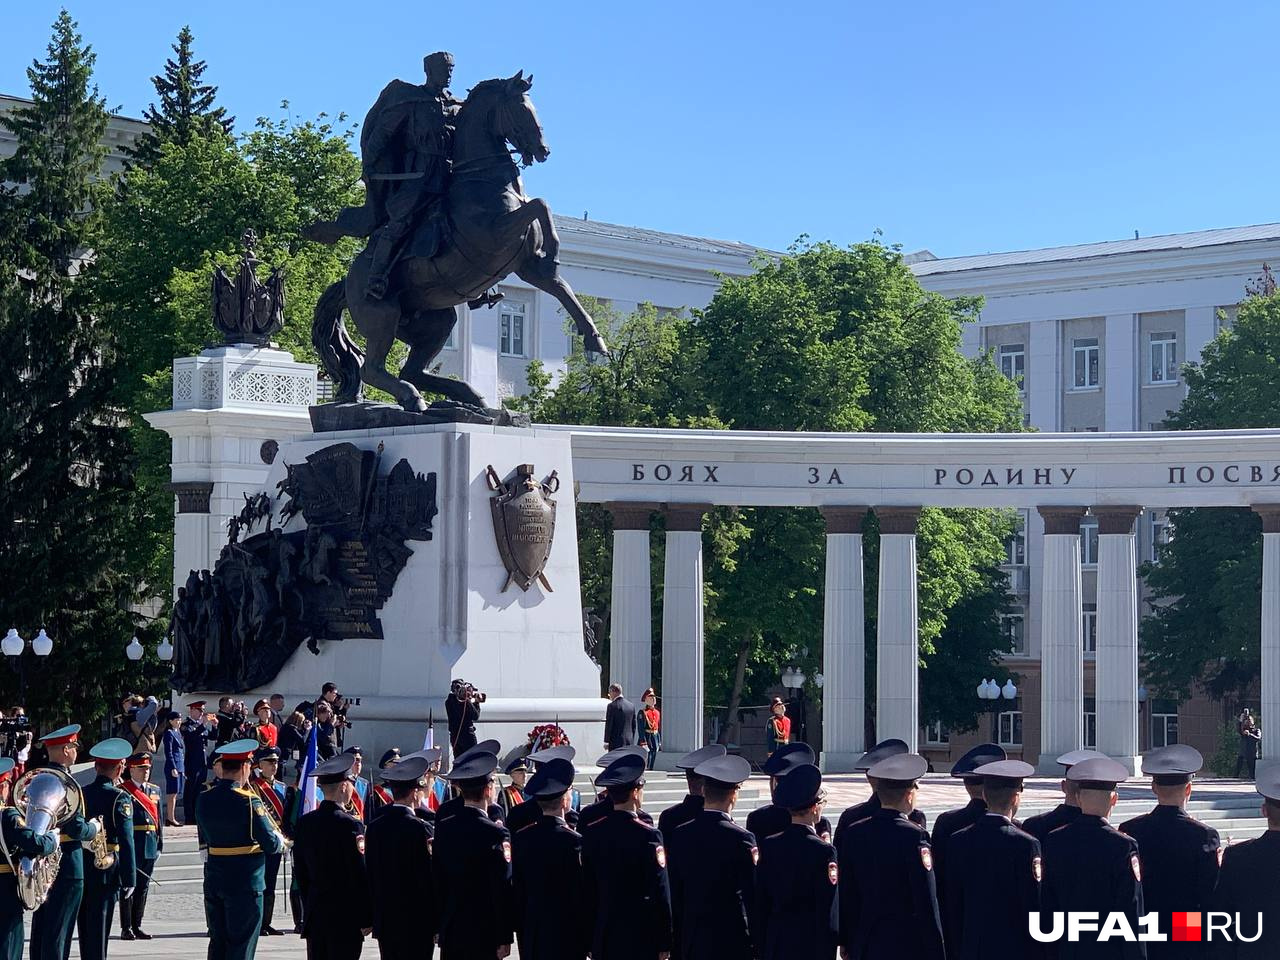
{"type": "Point", "coordinates": [307, 775]}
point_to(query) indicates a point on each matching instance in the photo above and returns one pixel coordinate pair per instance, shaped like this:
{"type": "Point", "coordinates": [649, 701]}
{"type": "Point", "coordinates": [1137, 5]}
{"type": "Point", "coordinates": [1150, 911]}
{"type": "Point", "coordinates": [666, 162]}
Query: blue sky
{"type": "Point", "coordinates": [963, 128]}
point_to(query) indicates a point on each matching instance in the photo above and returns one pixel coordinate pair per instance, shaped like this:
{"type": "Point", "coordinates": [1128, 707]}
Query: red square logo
{"type": "Point", "coordinates": [1186, 926]}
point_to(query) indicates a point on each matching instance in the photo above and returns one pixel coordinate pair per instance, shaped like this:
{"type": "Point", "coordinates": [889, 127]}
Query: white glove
{"type": "Point", "coordinates": [126, 893]}
{"type": "Point", "coordinates": [204, 854]}
{"type": "Point", "coordinates": [94, 824]}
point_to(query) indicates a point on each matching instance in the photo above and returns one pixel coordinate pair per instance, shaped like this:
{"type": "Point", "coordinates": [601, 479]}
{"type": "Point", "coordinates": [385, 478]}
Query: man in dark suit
{"type": "Point", "coordinates": [619, 720]}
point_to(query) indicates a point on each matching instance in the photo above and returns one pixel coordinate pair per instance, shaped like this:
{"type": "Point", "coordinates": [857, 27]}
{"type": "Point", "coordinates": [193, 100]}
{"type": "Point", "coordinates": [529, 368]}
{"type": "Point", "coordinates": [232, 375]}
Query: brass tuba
{"type": "Point", "coordinates": [46, 798]}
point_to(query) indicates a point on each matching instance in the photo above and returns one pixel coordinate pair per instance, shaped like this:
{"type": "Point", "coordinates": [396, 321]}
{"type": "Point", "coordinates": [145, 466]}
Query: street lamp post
{"type": "Point", "coordinates": [793, 679]}
{"type": "Point", "coordinates": [14, 646]}
{"type": "Point", "coordinates": [992, 692]}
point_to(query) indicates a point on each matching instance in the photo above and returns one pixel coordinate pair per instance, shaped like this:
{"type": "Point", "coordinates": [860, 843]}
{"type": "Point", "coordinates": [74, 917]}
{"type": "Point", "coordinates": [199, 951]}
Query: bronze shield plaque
{"type": "Point", "coordinates": [524, 522]}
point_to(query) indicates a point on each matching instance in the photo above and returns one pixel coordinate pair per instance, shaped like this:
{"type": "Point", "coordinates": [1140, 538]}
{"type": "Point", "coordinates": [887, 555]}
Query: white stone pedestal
{"type": "Point", "coordinates": [449, 617]}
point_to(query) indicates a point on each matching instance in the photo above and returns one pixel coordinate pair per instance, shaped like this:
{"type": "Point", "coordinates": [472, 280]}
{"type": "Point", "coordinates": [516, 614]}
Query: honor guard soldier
{"type": "Point", "coordinates": [1179, 854]}
{"type": "Point", "coordinates": [19, 841]}
{"type": "Point", "coordinates": [103, 888]}
{"type": "Point", "coordinates": [195, 732]}
{"type": "Point", "coordinates": [236, 835]}
{"type": "Point", "coordinates": [1092, 866]}
{"type": "Point", "coordinates": [277, 799]}
{"type": "Point", "coordinates": [688, 808]}
{"type": "Point", "coordinates": [359, 788]}
{"type": "Point", "coordinates": [547, 872]}
{"type": "Point", "coordinates": [628, 899]}
{"type": "Point", "coordinates": [796, 877]}
{"type": "Point", "coordinates": [993, 877]}
{"type": "Point", "coordinates": [888, 891]}
{"type": "Point", "coordinates": [398, 863]}
{"type": "Point", "coordinates": [529, 811]}
{"type": "Point", "coordinates": [713, 889]}
{"type": "Point", "coordinates": [329, 858]}
{"type": "Point", "coordinates": [954, 820]}
{"type": "Point", "coordinates": [1043, 824]}
{"type": "Point", "coordinates": [1249, 881]}
{"type": "Point", "coordinates": [513, 794]}
{"type": "Point", "coordinates": [380, 794]}
{"type": "Point", "coordinates": [148, 842]}
{"type": "Point", "coordinates": [456, 802]}
{"type": "Point", "coordinates": [472, 867]}
{"type": "Point", "coordinates": [51, 925]}
{"type": "Point", "coordinates": [598, 811]}
{"type": "Point", "coordinates": [860, 811]}
{"type": "Point", "coordinates": [770, 818]}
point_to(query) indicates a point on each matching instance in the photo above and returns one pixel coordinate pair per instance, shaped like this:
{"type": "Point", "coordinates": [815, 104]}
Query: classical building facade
{"type": "Point", "coordinates": [1096, 335]}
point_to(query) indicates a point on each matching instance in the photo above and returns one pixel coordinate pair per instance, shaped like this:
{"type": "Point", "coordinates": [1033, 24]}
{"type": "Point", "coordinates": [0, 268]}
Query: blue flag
{"type": "Point", "coordinates": [307, 775]}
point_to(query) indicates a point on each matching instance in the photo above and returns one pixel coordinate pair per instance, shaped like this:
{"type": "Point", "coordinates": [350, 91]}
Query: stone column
{"type": "Point", "coordinates": [897, 631]}
{"type": "Point", "coordinates": [1061, 651]}
{"type": "Point", "coordinates": [1117, 657]}
{"type": "Point", "coordinates": [843, 632]}
{"type": "Point", "coordinates": [631, 600]}
{"type": "Point", "coordinates": [1270, 514]}
{"type": "Point", "coordinates": [682, 631]}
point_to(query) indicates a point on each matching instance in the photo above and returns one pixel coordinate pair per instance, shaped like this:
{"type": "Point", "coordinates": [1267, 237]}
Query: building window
{"type": "Point", "coordinates": [1010, 728]}
{"type": "Point", "coordinates": [1089, 542]}
{"type": "Point", "coordinates": [1090, 730]}
{"type": "Point", "coordinates": [1013, 629]}
{"type": "Point", "coordinates": [936, 733]}
{"type": "Point", "coordinates": [1224, 318]}
{"type": "Point", "coordinates": [1089, 629]}
{"type": "Point", "coordinates": [1161, 533]}
{"type": "Point", "coordinates": [1015, 544]}
{"type": "Point", "coordinates": [513, 329]}
{"type": "Point", "coordinates": [1164, 357]}
{"type": "Point", "coordinates": [1013, 362]}
{"type": "Point", "coordinates": [1164, 723]}
{"type": "Point", "coordinates": [1085, 355]}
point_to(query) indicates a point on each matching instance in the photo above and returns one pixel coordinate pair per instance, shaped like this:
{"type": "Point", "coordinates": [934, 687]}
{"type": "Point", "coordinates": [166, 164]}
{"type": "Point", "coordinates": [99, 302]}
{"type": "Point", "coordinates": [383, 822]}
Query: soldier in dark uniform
{"type": "Point", "coordinates": [691, 805]}
{"type": "Point", "coordinates": [472, 868]}
{"type": "Point", "coordinates": [329, 858]}
{"type": "Point", "coordinates": [195, 751]}
{"type": "Point", "coordinates": [1249, 881]}
{"type": "Point", "coordinates": [526, 813]}
{"type": "Point", "coordinates": [796, 877]}
{"type": "Point", "coordinates": [547, 872]}
{"type": "Point", "coordinates": [52, 923]}
{"type": "Point", "coordinates": [277, 798]}
{"type": "Point", "coordinates": [1089, 865]}
{"type": "Point", "coordinates": [456, 802]}
{"type": "Point", "coordinates": [19, 841]}
{"type": "Point", "coordinates": [993, 881]}
{"type": "Point", "coordinates": [597, 811]}
{"type": "Point", "coordinates": [148, 842]}
{"type": "Point", "coordinates": [888, 892]}
{"type": "Point", "coordinates": [712, 868]}
{"type": "Point", "coordinates": [1043, 824]}
{"type": "Point", "coordinates": [628, 899]}
{"type": "Point", "coordinates": [954, 820]}
{"type": "Point", "coordinates": [512, 795]}
{"type": "Point", "coordinates": [236, 835]}
{"type": "Point", "coordinates": [860, 811]}
{"type": "Point", "coordinates": [770, 818]}
{"type": "Point", "coordinates": [103, 888]}
{"type": "Point", "coordinates": [423, 811]}
{"type": "Point", "coordinates": [380, 794]}
{"type": "Point", "coordinates": [1179, 854]}
{"type": "Point", "coordinates": [398, 862]}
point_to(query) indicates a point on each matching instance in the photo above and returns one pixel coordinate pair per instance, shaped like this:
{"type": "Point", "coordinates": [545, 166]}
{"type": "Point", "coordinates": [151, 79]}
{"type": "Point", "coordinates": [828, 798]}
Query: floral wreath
{"type": "Point", "coordinates": [547, 735]}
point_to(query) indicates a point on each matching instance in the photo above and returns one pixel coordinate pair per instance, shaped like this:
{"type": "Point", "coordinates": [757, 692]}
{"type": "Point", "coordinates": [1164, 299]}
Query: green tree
{"type": "Point", "coordinates": [822, 339]}
{"type": "Point", "coordinates": [64, 452]}
{"type": "Point", "coordinates": [187, 106]}
{"type": "Point", "coordinates": [1206, 617]}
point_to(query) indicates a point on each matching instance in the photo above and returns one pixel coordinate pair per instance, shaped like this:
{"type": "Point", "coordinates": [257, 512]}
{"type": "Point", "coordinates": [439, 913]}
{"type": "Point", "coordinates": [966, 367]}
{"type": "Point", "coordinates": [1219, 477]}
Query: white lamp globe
{"type": "Point", "coordinates": [134, 650]}
{"type": "Point", "coordinates": [12, 644]}
{"type": "Point", "coordinates": [1009, 691]}
{"type": "Point", "coordinates": [42, 645]}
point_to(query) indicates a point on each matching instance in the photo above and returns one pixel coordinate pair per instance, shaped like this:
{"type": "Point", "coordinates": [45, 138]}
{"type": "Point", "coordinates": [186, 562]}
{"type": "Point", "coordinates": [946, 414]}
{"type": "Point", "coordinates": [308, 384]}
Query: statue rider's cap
{"type": "Point", "coordinates": [440, 57]}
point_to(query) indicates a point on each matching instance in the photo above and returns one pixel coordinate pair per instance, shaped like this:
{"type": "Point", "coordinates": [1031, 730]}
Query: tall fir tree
{"type": "Point", "coordinates": [186, 108]}
{"type": "Point", "coordinates": [64, 454]}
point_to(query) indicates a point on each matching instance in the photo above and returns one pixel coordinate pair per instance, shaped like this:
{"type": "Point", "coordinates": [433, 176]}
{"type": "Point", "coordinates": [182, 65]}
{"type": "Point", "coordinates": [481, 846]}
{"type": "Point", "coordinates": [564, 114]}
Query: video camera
{"type": "Point", "coordinates": [340, 706]}
{"type": "Point", "coordinates": [465, 690]}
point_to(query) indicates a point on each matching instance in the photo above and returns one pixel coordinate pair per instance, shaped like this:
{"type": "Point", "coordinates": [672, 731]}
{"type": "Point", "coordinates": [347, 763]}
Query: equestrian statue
{"type": "Point", "coordinates": [446, 218]}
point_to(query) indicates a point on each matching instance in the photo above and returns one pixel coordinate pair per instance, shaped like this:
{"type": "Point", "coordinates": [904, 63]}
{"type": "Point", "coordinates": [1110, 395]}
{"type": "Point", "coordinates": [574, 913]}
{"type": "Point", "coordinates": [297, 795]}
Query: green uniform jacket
{"type": "Point", "coordinates": [236, 834]}
{"type": "Point", "coordinates": [70, 835]}
{"type": "Point", "coordinates": [21, 842]}
{"type": "Point", "coordinates": [104, 799]}
{"type": "Point", "coordinates": [148, 831]}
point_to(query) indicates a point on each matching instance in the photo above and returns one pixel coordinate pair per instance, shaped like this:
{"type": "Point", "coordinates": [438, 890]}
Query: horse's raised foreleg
{"type": "Point", "coordinates": [542, 274]}
{"type": "Point", "coordinates": [378, 343]}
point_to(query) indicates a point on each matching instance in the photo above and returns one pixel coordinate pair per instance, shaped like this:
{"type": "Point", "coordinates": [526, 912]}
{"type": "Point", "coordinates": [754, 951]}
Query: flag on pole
{"type": "Point", "coordinates": [430, 740]}
{"type": "Point", "coordinates": [307, 775]}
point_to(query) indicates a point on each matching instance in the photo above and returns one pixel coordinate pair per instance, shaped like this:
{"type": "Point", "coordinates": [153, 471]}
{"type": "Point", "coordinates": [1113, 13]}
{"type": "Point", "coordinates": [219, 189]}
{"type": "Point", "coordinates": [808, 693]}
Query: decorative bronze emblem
{"type": "Point", "coordinates": [524, 520]}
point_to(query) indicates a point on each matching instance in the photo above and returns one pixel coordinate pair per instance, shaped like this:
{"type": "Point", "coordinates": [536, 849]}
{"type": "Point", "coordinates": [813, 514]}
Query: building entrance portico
{"type": "Point", "coordinates": [1061, 477]}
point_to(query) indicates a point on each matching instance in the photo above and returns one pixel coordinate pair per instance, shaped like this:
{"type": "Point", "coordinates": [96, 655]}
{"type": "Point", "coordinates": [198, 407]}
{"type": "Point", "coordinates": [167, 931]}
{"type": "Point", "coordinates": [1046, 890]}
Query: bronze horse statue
{"type": "Point", "coordinates": [494, 230]}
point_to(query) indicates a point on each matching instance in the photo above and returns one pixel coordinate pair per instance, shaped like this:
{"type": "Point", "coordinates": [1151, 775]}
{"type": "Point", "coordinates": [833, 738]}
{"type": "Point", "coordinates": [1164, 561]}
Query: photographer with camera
{"type": "Point", "coordinates": [233, 721]}
{"type": "Point", "coordinates": [326, 731]}
{"type": "Point", "coordinates": [462, 707]}
{"type": "Point", "coordinates": [15, 737]}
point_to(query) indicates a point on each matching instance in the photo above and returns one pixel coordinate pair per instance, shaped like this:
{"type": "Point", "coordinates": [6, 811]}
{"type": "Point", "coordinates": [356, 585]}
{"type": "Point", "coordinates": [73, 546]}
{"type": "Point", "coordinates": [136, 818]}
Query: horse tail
{"type": "Point", "coordinates": [339, 354]}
